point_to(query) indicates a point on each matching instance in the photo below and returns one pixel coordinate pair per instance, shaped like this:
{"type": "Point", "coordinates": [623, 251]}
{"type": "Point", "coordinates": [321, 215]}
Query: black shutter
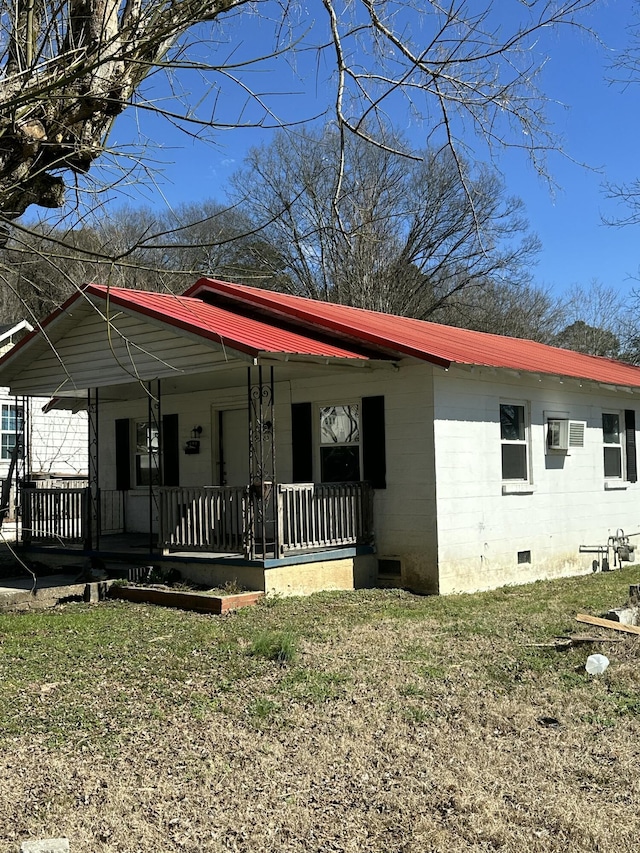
{"type": "Point", "coordinates": [630, 433]}
{"type": "Point", "coordinates": [170, 450]}
{"type": "Point", "coordinates": [374, 459]}
{"type": "Point", "coordinates": [301, 443]}
{"type": "Point", "coordinates": [123, 454]}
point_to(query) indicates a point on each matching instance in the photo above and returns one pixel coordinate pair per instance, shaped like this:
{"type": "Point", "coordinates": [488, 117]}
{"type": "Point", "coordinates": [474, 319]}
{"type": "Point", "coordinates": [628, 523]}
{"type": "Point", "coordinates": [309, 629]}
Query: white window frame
{"type": "Point", "coordinates": [319, 444]}
{"type": "Point", "coordinates": [9, 437]}
{"type": "Point", "coordinates": [138, 422]}
{"type": "Point", "coordinates": [611, 445]}
{"type": "Point", "coordinates": [521, 442]}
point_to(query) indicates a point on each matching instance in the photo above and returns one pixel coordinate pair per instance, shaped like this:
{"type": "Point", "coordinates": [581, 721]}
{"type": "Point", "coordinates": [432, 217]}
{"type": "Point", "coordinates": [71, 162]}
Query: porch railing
{"type": "Point", "coordinates": [215, 518]}
{"type": "Point", "coordinates": [203, 518]}
{"type": "Point", "coordinates": [58, 515]}
{"type": "Point", "coordinates": [314, 516]}
{"type": "Point", "coordinates": [112, 512]}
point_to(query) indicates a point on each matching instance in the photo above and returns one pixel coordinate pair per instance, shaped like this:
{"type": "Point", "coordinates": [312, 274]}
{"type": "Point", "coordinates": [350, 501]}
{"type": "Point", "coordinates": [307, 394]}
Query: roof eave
{"type": "Point", "coordinates": [266, 357]}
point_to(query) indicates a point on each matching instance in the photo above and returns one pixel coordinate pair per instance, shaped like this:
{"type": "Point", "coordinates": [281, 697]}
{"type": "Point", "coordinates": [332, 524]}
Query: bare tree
{"type": "Point", "coordinates": [131, 247]}
{"type": "Point", "coordinates": [524, 311]}
{"type": "Point", "coordinates": [210, 238]}
{"type": "Point", "coordinates": [361, 225]}
{"type": "Point", "coordinates": [598, 321]}
{"type": "Point", "coordinates": [70, 68]}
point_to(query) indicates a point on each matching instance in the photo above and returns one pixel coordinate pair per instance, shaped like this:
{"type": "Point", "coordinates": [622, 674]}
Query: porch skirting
{"type": "Point", "coordinates": [334, 569]}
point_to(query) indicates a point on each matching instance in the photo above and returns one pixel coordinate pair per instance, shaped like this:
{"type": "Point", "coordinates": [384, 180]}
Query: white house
{"type": "Point", "coordinates": [295, 445]}
{"type": "Point", "coordinates": [56, 440]}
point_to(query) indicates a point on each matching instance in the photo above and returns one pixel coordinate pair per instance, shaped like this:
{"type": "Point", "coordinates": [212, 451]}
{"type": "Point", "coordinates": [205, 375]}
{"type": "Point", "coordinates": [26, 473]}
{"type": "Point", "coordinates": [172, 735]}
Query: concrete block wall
{"type": "Point", "coordinates": [481, 531]}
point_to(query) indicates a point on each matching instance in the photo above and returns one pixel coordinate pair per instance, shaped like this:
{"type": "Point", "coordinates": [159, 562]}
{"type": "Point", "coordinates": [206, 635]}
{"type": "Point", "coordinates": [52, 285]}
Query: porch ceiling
{"type": "Point", "coordinates": [218, 378]}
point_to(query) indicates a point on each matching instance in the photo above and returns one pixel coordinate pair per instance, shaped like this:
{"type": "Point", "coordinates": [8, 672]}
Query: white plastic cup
{"type": "Point", "coordinates": [596, 664]}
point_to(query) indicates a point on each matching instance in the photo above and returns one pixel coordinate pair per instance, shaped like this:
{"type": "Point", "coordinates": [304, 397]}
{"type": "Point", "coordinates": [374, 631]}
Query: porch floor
{"type": "Point", "coordinates": [138, 549]}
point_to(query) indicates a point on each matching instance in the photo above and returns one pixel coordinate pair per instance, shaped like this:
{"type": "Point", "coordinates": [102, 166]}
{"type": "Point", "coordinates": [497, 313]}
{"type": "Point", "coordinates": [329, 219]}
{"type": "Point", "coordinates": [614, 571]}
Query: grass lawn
{"type": "Point", "coordinates": [366, 721]}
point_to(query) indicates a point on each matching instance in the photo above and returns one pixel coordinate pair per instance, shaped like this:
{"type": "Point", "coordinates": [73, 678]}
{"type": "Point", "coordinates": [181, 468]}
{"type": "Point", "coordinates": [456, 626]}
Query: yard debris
{"type": "Point", "coordinates": [607, 623]}
{"type": "Point", "coordinates": [46, 845]}
{"type": "Point", "coordinates": [563, 644]}
{"type": "Point", "coordinates": [583, 639]}
{"type": "Point", "coordinates": [549, 722]}
{"type": "Point", "coordinates": [596, 664]}
{"type": "Point", "coordinates": [560, 644]}
{"type": "Point", "coordinates": [627, 615]}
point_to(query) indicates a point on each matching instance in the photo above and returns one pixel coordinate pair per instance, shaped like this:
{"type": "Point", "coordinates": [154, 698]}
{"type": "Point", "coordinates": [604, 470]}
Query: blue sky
{"type": "Point", "coordinates": [599, 122]}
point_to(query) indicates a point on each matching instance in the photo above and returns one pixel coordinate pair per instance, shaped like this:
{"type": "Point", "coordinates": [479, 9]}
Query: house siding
{"type": "Point", "coordinates": [57, 440]}
{"type": "Point", "coordinates": [117, 352]}
{"type": "Point", "coordinates": [481, 530]}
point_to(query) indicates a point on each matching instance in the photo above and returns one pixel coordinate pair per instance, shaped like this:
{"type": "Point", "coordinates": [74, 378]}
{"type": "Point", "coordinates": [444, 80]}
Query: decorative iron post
{"type": "Point", "coordinates": [23, 440]}
{"type": "Point", "coordinates": [260, 524]}
{"type": "Point", "coordinates": [92, 514]}
{"type": "Point", "coordinates": [154, 448]}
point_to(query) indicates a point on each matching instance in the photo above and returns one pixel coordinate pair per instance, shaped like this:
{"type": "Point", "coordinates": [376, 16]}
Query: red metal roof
{"type": "Point", "coordinates": [241, 333]}
{"type": "Point", "coordinates": [429, 341]}
{"type": "Point", "coordinates": [255, 321]}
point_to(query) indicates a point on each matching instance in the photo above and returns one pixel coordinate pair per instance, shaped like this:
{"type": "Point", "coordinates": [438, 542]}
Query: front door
{"type": "Point", "coordinates": [233, 447]}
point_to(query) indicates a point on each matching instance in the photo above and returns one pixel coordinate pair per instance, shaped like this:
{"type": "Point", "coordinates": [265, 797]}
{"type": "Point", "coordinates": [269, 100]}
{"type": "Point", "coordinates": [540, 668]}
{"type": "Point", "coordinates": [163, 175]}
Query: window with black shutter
{"type": "Point", "coordinates": [374, 457]}
{"type": "Point", "coordinates": [302, 443]}
{"type": "Point", "coordinates": [170, 450]}
{"type": "Point", "coordinates": [123, 454]}
{"type": "Point", "coordinates": [351, 438]}
{"type": "Point", "coordinates": [630, 445]}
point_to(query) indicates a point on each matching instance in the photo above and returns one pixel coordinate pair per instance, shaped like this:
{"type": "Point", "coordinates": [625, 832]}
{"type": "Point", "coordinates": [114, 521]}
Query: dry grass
{"type": "Point", "coordinates": [397, 723]}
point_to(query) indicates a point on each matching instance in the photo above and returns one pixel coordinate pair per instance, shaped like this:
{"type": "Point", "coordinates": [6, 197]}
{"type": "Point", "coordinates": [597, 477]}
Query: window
{"type": "Point", "coordinates": [340, 443]}
{"type": "Point", "coordinates": [147, 455]}
{"type": "Point", "coordinates": [12, 425]}
{"type": "Point", "coordinates": [612, 440]}
{"type": "Point", "coordinates": [513, 436]}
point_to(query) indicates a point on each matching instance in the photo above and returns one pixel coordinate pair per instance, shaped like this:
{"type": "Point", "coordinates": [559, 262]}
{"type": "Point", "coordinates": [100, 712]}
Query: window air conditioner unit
{"type": "Point", "coordinates": [557, 434]}
{"type": "Point", "coordinates": [563, 434]}
{"type": "Point", "coordinates": [576, 433]}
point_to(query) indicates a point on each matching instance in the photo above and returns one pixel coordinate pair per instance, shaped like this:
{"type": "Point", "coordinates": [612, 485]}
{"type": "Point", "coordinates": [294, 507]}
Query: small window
{"type": "Point", "coordinates": [612, 440]}
{"type": "Point", "coordinates": [147, 454]}
{"type": "Point", "coordinates": [340, 443]}
{"type": "Point", "coordinates": [12, 426]}
{"type": "Point", "coordinates": [513, 436]}
{"type": "Point", "coordinates": [8, 443]}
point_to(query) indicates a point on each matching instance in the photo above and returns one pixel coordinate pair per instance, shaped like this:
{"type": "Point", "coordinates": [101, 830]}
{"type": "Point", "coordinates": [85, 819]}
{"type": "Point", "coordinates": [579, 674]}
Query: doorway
{"type": "Point", "coordinates": [233, 447]}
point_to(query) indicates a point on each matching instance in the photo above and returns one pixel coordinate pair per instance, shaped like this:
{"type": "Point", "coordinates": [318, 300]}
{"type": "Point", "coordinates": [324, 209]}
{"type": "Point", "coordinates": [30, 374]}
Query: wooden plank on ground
{"type": "Point", "coordinates": [201, 602]}
{"type": "Point", "coordinates": [607, 623]}
{"type": "Point", "coordinates": [583, 639]}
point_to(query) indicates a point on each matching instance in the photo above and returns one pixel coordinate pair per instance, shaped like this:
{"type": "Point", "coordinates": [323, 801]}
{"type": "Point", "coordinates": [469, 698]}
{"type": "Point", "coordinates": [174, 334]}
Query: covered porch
{"type": "Point", "coordinates": [208, 536]}
{"type": "Point", "coordinates": [285, 520]}
{"type": "Point", "coordinates": [261, 451]}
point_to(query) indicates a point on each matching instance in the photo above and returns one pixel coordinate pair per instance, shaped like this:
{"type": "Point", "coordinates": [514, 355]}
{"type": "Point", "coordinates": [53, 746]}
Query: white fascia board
{"type": "Point", "coordinates": [23, 325]}
{"type": "Point", "coordinates": [266, 358]}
